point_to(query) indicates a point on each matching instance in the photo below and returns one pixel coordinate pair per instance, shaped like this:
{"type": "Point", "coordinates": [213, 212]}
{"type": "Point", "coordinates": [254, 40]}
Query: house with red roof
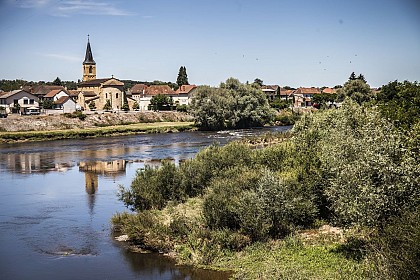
{"type": "Point", "coordinates": [302, 97]}
{"type": "Point", "coordinates": [142, 94]}
{"type": "Point", "coordinates": [271, 91]}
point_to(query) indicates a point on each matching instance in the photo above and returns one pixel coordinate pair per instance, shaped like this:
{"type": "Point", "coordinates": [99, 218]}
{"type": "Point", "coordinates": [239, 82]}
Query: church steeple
{"type": "Point", "coordinates": [89, 65]}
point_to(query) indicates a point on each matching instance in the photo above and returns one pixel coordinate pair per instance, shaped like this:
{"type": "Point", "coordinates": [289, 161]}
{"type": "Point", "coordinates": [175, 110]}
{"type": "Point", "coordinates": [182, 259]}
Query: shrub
{"type": "Point", "coordinates": [396, 251]}
{"type": "Point", "coordinates": [152, 188]}
{"type": "Point", "coordinates": [359, 161]}
{"type": "Point", "coordinates": [76, 114]}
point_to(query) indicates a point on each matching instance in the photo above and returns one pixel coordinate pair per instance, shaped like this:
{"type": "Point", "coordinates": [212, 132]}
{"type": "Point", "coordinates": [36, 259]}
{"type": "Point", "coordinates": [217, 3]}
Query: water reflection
{"type": "Point", "coordinates": [33, 163]}
{"type": "Point", "coordinates": [92, 170]}
{"type": "Point", "coordinates": [56, 200]}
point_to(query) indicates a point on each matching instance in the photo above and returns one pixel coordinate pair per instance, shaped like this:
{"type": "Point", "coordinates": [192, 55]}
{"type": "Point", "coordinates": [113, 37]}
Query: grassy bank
{"type": "Point", "coordinates": [115, 130]}
{"type": "Point", "coordinates": [181, 232]}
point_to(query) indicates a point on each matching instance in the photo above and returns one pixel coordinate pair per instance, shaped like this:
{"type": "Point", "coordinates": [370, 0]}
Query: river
{"type": "Point", "coordinates": [57, 199]}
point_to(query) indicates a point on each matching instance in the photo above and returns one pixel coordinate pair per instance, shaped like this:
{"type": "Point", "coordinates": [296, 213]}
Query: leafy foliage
{"type": "Point", "coordinates": [182, 78]}
{"type": "Point", "coordinates": [400, 103]}
{"type": "Point", "coordinates": [92, 105]}
{"type": "Point", "coordinates": [357, 90]}
{"type": "Point", "coordinates": [161, 102]}
{"type": "Point", "coordinates": [280, 104]}
{"type": "Point", "coordinates": [395, 252]}
{"type": "Point", "coordinates": [232, 105]}
{"type": "Point", "coordinates": [107, 105]}
{"type": "Point", "coordinates": [136, 106]}
{"type": "Point", "coordinates": [362, 163]}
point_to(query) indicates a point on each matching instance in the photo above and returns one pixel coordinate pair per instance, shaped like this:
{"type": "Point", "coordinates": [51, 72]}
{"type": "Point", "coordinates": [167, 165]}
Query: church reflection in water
{"type": "Point", "coordinates": [94, 169]}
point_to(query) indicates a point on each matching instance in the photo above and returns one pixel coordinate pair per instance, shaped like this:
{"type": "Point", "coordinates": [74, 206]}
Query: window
{"type": "Point", "coordinates": [90, 69]}
{"type": "Point", "coordinates": [15, 101]}
{"type": "Point", "coordinates": [106, 95]}
{"type": "Point", "coordinates": [31, 101]}
{"type": "Point", "coordinates": [116, 95]}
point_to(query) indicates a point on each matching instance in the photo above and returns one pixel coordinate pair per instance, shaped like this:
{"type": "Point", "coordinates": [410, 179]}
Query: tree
{"type": "Point", "coordinates": [232, 105]}
{"type": "Point", "coordinates": [57, 82]}
{"type": "Point", "coordinates": [400, 102]}
{"type": "Point", "coordinates": [182, 76]}
{"type": "Point", "coordinates": [47, 104]}
{"type": "Point", "coordinates": [92, 105]}
{"type": "Point", "coordinates": [323, 98]}
{"type": "Point", "coordinates": [136, 106]}
{"type": "Point", "coordinates": [355, 89]}
{"type": "Point", "coordinates": [352, 76]}
{"type": "Point", "coordinates": [362, 78]}
{"type": "Point", "coordinates": [107, 105]}
{"type": "Point", "coordinates": [258, 82]}
{"type": "Point", "coordinates": [125, 106]}
{"type": "Point", "coordinates": [161, 102]}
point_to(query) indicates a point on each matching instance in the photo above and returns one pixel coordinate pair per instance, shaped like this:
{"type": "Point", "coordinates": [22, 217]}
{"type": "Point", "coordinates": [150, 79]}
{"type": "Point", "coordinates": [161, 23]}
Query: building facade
{"type": "Point", "coordinates": [97, 93]}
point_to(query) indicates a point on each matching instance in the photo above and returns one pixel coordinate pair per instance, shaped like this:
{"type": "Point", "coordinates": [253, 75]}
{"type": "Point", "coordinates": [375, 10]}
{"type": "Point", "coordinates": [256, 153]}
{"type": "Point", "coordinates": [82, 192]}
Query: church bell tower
{"type": "Point", "coordinates": [89, 65]}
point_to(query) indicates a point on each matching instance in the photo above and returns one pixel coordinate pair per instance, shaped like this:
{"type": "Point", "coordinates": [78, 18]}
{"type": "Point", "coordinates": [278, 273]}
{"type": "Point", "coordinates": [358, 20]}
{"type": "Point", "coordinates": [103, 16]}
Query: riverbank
{"type": "Point", "coordinates": [17, 128]}
{"type": "Point", "coordinates": [115, 130]}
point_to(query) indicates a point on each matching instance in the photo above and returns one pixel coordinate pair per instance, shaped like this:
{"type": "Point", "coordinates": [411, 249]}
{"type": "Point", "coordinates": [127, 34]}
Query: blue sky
{"type": "Point", "coordinates": [285, 42]}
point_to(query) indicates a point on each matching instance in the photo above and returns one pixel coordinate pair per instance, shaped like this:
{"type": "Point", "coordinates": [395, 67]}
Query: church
{"type": "Point", "coordinates": [93, 93]}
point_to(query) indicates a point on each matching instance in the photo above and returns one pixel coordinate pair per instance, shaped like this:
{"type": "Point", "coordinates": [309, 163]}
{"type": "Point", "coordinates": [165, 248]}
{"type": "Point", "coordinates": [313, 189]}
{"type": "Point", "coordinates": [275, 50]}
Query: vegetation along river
{"type": "Point", "coordinates": [57, 198]}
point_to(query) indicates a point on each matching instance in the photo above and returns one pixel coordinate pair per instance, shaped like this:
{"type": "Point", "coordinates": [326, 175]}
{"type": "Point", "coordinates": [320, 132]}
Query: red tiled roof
{"type": "Point", "coordinates": [286, 92]}
{"type": "Point", "coordinates": [44, 89]}
{"type": "Point", "coordinates": [138, 88]}
{"type": "Point", "coordinates": [329, 90]}
{"type": "Point", "coordinates": [159, 89]}
{"type": "Point", "coordinates": [62, 100]}
{"type": "Point", "coordinates": [73, 92]}
{"type": "Point", "coordinates": [308, 90]}
{"type": "Point", "coordinates": [185, 89]}
{"type": "Point", "coordinates": [53, 93]}
{"type": "Point", "coordinates": [270, 87]}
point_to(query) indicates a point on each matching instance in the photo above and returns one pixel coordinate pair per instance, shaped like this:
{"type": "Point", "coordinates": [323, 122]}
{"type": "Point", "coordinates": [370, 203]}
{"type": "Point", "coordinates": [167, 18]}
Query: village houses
{"type": "Point", "coordinates": [95, 94]}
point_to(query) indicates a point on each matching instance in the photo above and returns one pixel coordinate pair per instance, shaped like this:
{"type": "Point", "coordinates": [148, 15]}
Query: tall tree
{"type": "Point", "coordinates": [182, 76]}
{"type": "Point", "coordinates": [258, 81]}
{"type": "Point", "coordinates": [57, 82]}
{"type": "Point", "coordinates": [362, 78]}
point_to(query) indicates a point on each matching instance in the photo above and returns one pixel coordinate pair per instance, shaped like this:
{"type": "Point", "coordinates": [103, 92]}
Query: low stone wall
{"type": "Point", "coordinates": [56, 122]}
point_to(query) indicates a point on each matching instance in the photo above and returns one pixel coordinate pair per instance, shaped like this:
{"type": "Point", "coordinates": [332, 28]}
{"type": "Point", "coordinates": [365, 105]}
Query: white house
{"type": "Point", "coordinates": [66, 104]}
{"type": "Point", "coordinates": [184, 94]}
{"type": "Point", "coordinates": [62, 101]}
{"type": "Point", "coordinates": [19, 101]}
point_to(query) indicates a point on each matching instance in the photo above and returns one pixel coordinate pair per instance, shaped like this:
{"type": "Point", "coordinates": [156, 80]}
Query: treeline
{"type": "Point", "coordinates": [9, 85]}
{"type": "Point", "coordinates": [356, 167]}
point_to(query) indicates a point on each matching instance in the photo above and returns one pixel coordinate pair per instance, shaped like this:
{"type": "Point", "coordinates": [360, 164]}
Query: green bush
{"type": "Point", "coordinates": [152, 188]}
{"type": "Point", "coordinates": [76, 114]}
{"type": "Point", "coordinates": [359, 161]}
{"type": "Point", "coordinates": [395, 253]}
{"type": "Point", "coordinates": [232, 105]}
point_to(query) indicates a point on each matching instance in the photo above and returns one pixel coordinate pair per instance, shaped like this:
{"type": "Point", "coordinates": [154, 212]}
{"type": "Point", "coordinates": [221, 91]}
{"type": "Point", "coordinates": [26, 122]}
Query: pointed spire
{"type": "Point", "coordinates": [89, 56]}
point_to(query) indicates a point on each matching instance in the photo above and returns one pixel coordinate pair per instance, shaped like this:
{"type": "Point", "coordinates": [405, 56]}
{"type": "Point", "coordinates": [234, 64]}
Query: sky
{"type": "Point", "coordinates": [285, 42]}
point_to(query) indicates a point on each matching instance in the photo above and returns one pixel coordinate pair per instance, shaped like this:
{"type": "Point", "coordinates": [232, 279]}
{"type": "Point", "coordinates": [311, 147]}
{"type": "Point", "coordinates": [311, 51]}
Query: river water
{"type": "Point", "coordinates": [57, 199]}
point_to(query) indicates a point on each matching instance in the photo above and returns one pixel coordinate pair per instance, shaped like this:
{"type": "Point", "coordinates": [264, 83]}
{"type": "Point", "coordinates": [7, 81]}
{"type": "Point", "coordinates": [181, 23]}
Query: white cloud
{"type": "Point", "coordinates": [68, 8]}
